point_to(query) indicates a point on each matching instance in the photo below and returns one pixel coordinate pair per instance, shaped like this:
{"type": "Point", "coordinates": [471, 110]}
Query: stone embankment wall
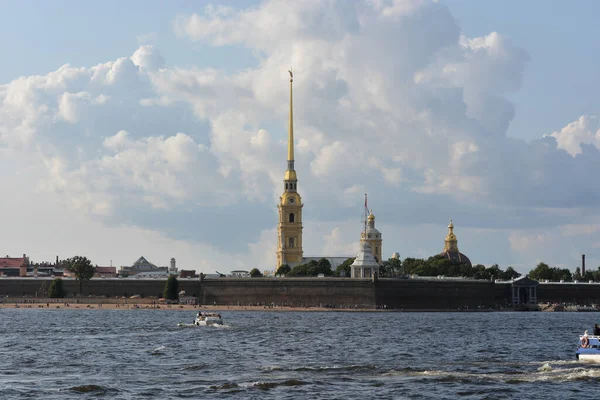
{"type": "Point", "coordinates": [296, 292]}
{"type": "Point", "coordinates": [441, 294]}
{"type": "Point", "coordinates": [96, 287]}
{"type": "Point", "coordinates": [578, 293]}
{"type": "Point", "coordinates": [435, 294]}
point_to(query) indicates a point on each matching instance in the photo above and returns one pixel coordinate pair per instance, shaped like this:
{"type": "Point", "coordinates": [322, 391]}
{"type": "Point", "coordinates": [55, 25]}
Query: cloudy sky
{"type": "Point", "coordinates": [159, 128]}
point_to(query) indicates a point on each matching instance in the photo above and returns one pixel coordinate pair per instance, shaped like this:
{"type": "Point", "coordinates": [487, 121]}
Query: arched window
{"type": "Point", "coordinates": [286, 186]}
{"type": "Point", "coordinates": [291, 217]}
{"type": "Point", "coordinates": [290, 242]}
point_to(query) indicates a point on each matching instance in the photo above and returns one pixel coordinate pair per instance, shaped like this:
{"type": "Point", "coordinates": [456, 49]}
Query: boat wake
{"type": "Point", "coordinates": [545, 373]}
{"type": "Point", "coordinates": [158, 351]}
{"type": "Point", "coordinates": [184, 325]}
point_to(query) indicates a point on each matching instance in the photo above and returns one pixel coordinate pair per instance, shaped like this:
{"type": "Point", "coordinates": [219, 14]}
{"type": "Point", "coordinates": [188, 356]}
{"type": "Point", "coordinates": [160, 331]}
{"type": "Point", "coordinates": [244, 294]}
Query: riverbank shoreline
{"type": "Point", "coordinates": [89, 304]}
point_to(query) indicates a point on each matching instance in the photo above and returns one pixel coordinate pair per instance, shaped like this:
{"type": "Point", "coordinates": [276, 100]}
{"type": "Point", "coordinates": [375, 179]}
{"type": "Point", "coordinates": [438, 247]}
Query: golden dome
{"type": "Point", "coordinates": [371, 216]}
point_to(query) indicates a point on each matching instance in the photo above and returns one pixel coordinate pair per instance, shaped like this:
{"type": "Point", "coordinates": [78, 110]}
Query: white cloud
{"type": "Point", "coordinates": [70, 106]}
{"type": "Point", "coordinates": [148, 58]}
{"type": "Point", "coordinates": [524, 242]}
{"type": "Point", "coordinates": [583, 131]}
{"type": "Point", "coordinates": [383, 104]}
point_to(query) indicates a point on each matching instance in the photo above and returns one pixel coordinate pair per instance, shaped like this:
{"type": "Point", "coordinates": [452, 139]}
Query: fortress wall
{"type": "Point", "coordinates": [502, 293]}
{"type": "Point", "coordinates": [297, 292]}
{"type": "Point", "coordinates": [579, 293]}
{"type": "Point", "coordinates": [95, 287]}
{"type": "Point", "coordinates": [434, 294]}
{"type": "Point", "coordinates": [393, 293]}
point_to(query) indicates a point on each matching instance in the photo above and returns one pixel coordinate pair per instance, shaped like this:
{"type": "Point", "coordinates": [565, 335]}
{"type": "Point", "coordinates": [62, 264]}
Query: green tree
{"type": "Point", "coordinates": [255, 273]}
{"type": "Point", "coordinates": [413, 265]}
{"type": "Point", "coordinates": [323, 267]}
{"type": "Point", "coordinates": [344, 267]}
{"type": "Point", "coordinates": [541, 272]}
{"type": "Point", "coordinates": [312, 268]}
{"type": "Point", "coordinates": [391, 267]}
{"type": "Point", "coordinates": [509, 274]}
{"type": "Point", "coordinates": [299, 270]}
{"type": "Point", "coordinates": [577, 274]}
{"type": "Point", "coordinates": [82, 268]}
{"type": "Point", "coordinates": [494, 272]}
{"type": "Point", "coordinates": [56, 289]}
{"type": "Point", "coordinates": [171, 291]}
{"type": "Point", "coordinates": [283, 270]}
{"type": "Point", "coordinates": [563, 274]}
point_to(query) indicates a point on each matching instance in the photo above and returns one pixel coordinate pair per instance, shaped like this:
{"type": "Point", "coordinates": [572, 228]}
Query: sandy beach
{"type": "Point", "coordinates": [89, 304]}
{"type": "Point", "coordinates": [130, 304]}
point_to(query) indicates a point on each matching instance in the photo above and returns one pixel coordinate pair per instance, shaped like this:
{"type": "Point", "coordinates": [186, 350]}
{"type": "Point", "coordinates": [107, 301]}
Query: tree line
{"type": "Point", "coordinates": [394, 267]}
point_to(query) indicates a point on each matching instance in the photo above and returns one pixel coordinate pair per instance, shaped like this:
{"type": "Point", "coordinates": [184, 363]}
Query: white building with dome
{"type": "Point", "coordinates": [366, 264]}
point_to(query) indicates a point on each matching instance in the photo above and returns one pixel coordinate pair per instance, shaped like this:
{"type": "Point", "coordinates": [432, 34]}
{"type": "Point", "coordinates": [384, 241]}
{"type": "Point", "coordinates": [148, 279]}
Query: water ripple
{"type": "Point", "coordinates": [156, 354]}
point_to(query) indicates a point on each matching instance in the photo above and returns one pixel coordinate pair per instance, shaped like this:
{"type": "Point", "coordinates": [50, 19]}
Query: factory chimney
{"type": "Point", "coordinates": [582, 265]}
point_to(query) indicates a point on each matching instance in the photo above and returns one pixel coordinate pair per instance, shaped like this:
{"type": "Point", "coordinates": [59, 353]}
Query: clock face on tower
{"type": "Point", "coordinates": [290, 200]}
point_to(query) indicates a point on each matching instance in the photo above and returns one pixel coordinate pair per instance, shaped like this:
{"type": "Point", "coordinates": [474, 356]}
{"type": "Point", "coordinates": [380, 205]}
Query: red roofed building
{"type": "Point", "coordinates": [10, 266]}
{"type": "Point", "coordinates": [105, 272]}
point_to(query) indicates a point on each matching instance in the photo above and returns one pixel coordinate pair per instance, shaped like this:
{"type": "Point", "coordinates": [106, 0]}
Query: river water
{"type": "Point", "coordinates": [158, 354]}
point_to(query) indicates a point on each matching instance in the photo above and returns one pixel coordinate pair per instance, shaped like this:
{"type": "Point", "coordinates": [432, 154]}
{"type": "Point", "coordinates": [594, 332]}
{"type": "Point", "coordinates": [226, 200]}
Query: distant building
{"type": "Point", "coordinates": [451, 248]}
{"type": "Point", "coordinates": [372, 236]}
{"type": "Point", "coordinates": [143, 266]}
{"type": "Point", "coordinates": [365, 265]}
{"type": "Point", "coordinates": [240, 274]}
{"type": "Point", "coordinates": [10, 266]}
{"type": "Point", "coordinates": [105, 272]}
{"type": "Point", "coordinates": [172, 267]}
{"type": "Point", "coordinates": [185, 273]}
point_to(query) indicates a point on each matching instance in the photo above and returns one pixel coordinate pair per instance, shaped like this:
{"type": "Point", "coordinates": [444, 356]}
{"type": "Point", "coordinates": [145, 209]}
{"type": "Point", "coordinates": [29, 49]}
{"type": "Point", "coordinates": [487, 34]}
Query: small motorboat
{"type": "Point", "coordinates": [205, 318]}
{"type": "Point", "coordinates": [588, 348]}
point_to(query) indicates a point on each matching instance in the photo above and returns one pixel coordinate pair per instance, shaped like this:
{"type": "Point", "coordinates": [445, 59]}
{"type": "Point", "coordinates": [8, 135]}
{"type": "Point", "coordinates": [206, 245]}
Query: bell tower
{"type": "Point", "coordinates": [371, 235]}
{"type": "Point", "coordinates": [289, 228]}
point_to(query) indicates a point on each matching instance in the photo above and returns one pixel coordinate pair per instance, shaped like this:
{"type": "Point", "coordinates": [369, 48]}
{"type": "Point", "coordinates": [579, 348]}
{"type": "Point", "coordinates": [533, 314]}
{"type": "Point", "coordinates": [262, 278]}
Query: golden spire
{"type": "Point", "coordinates": [291, 126]}
{"type": "Point", "coordinates": [290, 173]}
{"type": "Point", "coordinates": [451, 243]}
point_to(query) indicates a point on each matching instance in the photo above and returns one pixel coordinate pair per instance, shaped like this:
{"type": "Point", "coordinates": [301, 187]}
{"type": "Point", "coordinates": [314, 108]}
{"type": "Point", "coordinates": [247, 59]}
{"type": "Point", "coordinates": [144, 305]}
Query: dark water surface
{"type": "Point", "coordinates": [133, 354]}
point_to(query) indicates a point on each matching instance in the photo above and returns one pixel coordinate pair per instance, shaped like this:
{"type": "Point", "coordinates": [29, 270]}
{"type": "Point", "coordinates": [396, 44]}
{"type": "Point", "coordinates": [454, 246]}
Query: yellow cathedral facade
{"type": "Point", "coordinates": [289, 228]}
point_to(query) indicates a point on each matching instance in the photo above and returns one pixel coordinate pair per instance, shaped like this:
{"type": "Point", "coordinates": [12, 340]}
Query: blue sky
{"type": "Point", "coordinates": [167, 131]}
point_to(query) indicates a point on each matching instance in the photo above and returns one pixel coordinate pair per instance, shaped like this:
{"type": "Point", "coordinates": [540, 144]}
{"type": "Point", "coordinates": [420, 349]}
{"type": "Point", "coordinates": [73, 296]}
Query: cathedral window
{"type": "Point", "coordinates": [291, 242]}
{"type": "Point", "coordinates": [291, 219]}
